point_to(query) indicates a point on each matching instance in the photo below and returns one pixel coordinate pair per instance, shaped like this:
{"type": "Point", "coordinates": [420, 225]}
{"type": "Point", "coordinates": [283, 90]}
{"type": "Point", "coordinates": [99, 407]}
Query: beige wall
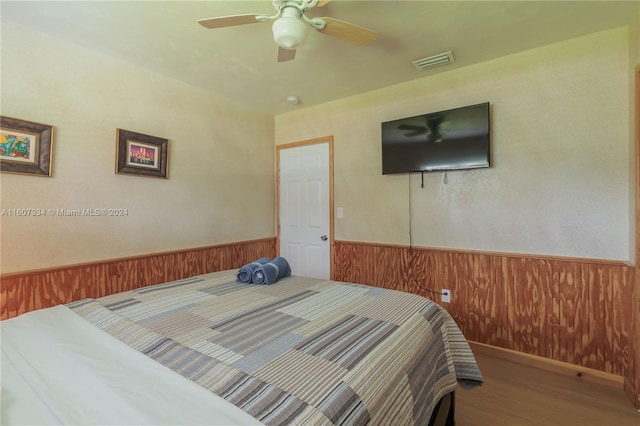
{"type": "Point", "coordinates": [220, 187]}
{"type": "Point", "coordinates": [634, 61]}
{"type": "Point", "coordinates": [559, 184]}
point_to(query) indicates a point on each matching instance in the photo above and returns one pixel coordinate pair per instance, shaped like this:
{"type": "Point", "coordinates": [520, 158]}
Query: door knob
{"type": "Point", "coordinates": [323, 238]}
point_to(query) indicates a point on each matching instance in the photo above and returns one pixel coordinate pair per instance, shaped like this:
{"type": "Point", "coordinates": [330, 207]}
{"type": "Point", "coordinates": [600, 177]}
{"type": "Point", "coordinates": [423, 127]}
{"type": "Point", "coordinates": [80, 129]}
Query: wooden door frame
{"type": "Point", "coordinates": [328, 140]}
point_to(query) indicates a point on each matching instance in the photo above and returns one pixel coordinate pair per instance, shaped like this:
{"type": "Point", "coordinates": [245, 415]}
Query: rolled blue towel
{"type": "Point", "coordinates": [272, 271]}
{"type": "Point", "coordinates": [246, 272]}
{"type": "Point", "coordinates": [283, 266]}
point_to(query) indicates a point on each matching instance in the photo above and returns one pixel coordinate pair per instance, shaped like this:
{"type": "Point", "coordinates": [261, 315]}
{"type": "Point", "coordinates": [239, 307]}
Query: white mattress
{"type": "Point", "coordinates": [59, 369]}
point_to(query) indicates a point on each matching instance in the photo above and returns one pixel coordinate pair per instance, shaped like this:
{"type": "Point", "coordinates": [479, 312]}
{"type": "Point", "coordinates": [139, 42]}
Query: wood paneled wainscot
{"type": "Point", "coordinates": [576, 311]}
{"type": "Point", "coordinates": [26, 291]}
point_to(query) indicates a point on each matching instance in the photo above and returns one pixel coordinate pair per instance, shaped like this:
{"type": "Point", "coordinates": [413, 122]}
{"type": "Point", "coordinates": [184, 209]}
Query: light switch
{"type": "Point", "coordinates": [340, 213]}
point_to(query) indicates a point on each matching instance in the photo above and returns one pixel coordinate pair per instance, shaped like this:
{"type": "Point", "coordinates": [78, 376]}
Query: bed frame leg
{"type": "Point", "coordinates": [444, 412]}
{"type": "Point", "coordinates": [451, 418]}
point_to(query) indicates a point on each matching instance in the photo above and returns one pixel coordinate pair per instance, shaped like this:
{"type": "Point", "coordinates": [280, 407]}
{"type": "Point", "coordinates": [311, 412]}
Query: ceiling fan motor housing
{"type": "Point", "coordinates": [289, 31]}
{"type": "Point", "coordinates": [291, 25]}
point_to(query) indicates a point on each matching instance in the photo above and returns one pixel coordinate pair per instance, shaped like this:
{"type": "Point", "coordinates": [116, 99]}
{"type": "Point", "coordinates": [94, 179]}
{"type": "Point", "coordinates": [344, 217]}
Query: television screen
{"type": "Point", "coordinates": [446, 140]}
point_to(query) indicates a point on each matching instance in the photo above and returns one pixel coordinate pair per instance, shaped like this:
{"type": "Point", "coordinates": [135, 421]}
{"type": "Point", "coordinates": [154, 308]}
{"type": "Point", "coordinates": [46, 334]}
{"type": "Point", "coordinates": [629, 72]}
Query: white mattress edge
{"type": "Point", "coordinates": [59, 369]}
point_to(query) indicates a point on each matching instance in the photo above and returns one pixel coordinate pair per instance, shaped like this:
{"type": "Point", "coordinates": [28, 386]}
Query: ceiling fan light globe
{"type": "Point", "coordinates": [289, 33]}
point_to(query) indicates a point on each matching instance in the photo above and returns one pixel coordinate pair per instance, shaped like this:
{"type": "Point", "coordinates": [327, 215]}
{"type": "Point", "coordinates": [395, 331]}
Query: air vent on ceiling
{"type": "Point", "coordinates": [433, 61]}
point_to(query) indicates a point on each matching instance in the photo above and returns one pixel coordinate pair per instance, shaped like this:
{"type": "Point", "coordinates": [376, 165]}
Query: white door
{"type": "Point", "coordinates": [305, 239]}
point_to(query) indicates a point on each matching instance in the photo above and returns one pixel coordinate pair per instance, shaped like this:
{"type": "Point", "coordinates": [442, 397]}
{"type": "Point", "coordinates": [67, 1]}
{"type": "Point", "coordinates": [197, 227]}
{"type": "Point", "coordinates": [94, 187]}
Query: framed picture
{"type": "Point", "coordinates": [138, 154]}
{"type": "Point", "coordinates": [25, 147]}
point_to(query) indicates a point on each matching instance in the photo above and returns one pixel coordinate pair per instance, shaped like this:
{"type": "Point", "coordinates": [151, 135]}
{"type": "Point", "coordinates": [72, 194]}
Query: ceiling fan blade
{"type": "Point", "coordinates": [285, 55]}
{"type": "Point", "coordinates": [413, 130]}
{"type": "Point", "coordinates": [349, 32]}
{"type": "Point", "coordinates": [322, 2]}
{"type": "Point", "coordinates": [412, 127]}
{"type": "Point", "coordinates": [228, 21]}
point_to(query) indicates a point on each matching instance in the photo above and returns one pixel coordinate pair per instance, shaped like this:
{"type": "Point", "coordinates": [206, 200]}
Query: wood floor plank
{"type": "Point", "coordinates": [519, 395]}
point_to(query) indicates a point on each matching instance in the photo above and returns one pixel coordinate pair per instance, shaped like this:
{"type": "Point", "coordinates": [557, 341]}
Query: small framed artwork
{"type": "Point", "coordinates": [25, 147]}
{"type": "Point", "coordinates": [138, 154]}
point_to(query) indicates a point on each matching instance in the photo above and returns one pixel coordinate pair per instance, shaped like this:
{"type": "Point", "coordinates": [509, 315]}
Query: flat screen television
{"type": "Point", "coordinates": [454, 139]}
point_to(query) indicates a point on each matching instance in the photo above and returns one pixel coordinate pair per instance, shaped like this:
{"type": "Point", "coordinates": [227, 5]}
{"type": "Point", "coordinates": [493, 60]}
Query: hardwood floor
{"type": "Point", "coordinates": [519, 395]}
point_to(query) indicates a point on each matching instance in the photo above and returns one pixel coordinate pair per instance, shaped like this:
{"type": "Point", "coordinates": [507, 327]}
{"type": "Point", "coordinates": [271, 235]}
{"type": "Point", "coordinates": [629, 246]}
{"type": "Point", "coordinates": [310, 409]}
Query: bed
{"type": "Point", "coordinates": [212, 350]}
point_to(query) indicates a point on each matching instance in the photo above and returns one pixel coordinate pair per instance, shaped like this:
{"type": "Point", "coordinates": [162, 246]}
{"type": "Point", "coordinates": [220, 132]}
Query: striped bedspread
{"type": "Point", "coordinates": [301, 351]}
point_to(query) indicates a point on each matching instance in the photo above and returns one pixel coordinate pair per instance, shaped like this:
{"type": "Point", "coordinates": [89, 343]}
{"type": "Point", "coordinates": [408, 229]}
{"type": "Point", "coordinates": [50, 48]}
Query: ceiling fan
{"type": "Point", "coordinates": [291, 23]}
{"type": "Point", "coordinates": [432, 130]}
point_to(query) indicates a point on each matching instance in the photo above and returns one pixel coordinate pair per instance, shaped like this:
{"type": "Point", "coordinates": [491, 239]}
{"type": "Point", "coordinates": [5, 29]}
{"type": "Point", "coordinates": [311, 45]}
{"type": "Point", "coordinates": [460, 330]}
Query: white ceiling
{"type": "Point", "coordinates": [240, 63]}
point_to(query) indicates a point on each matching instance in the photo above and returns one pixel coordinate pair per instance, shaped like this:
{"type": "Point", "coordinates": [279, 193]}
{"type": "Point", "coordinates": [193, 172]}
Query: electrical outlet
{"type": "Point", "coordinates": [446, 296]}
